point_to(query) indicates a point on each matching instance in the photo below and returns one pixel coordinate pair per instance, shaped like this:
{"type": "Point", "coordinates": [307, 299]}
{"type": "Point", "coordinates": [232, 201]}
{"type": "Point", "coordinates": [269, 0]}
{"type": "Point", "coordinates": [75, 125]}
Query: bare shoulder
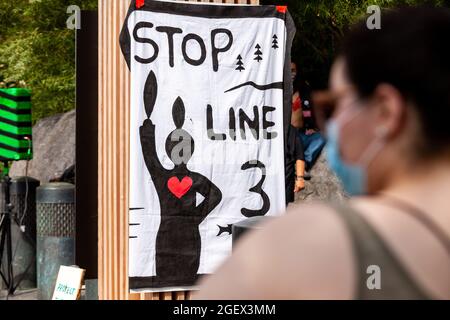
{"type": "Point", "coordinates": [305, 254]}
{"type": "Point", "coordinates": [413, 245]}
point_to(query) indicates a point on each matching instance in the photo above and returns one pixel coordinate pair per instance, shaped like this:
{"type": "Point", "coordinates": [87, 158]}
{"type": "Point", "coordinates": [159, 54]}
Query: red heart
{"type": "Point", "coordinates": [179, 189]}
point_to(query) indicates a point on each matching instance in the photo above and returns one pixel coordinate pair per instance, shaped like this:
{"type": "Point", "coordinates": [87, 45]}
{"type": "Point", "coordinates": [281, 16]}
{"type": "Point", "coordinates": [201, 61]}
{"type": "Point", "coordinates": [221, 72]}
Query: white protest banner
{"type": "Point", "coordinates": [210, 103]}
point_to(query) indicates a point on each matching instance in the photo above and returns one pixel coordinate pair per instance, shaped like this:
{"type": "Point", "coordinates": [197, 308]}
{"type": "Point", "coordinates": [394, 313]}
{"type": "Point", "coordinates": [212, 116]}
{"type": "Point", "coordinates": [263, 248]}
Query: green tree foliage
{"type": "Point", "coordinates": [37, 51]}
{"type": "Point", "coordinates": [320, 26]}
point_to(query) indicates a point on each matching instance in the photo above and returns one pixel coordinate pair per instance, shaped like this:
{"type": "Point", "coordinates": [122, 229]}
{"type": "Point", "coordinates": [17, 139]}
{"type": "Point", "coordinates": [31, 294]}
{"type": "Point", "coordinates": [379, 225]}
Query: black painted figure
{"type": "Point", "coordinates": [178, 242]}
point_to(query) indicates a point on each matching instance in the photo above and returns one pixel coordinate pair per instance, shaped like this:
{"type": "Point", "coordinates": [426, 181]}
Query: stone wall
{"type": "Point", "coordinates": [53, 148]}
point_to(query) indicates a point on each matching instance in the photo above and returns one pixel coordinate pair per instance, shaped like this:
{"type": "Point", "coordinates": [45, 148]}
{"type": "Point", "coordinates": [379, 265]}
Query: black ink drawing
{"type": "Point", "coordinates": [258, 53]}
{"type": "Point", "coordinates": [275, 85]}
{"type": "Point", "coordinates": [240, 64]}
{"type": "Point", "coordinates": [227, 229]}
{"type": "Point", "coordinates": [178, 242]}
{"type": "Point", "coordinates": [275, 42]}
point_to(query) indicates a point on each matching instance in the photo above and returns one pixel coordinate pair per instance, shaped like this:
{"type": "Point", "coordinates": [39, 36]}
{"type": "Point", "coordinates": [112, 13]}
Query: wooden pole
{"type": "Point", "coordinates": [113, 157]}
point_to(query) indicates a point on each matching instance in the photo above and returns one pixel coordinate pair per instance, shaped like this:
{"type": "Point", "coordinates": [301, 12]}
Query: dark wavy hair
{"type": "Point", "coordinates": [411, 52]}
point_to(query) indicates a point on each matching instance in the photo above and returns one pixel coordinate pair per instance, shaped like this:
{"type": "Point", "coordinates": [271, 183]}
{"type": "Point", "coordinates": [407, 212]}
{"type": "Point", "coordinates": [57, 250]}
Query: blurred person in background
{"type": "Point", "coordinates": [389, 142]}
{"type": "Point", "coordinates": [296, 117]}
{"type": "Point", "coordinates": [295, 157]}
{"type": "Point", "coordinates": [312, 139]}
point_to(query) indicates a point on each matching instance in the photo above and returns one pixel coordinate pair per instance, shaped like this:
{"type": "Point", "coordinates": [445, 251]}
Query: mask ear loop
{"type": "Point", "coordinates": [369, 154]}
{"type": "Point", "coordinates": [375, 147]}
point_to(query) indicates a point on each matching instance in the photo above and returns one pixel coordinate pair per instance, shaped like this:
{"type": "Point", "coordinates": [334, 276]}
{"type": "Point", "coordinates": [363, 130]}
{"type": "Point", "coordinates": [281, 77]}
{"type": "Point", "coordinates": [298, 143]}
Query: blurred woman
{"type": "Point", "coordinates": [389, 142]}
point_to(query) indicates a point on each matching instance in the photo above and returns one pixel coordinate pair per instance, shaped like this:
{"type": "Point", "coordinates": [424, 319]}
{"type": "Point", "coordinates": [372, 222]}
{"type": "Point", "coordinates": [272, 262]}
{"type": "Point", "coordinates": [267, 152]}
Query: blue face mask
{"type": "Point", "coordinates": [353, 177]}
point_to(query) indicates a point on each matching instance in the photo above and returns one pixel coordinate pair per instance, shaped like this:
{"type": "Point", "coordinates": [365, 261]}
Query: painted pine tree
{"type": "Point", "coordinates": [275, 42]}
{"type": "Point", "coordinates": [240, 64]}
{"type": "Point", "coordinates": [258, 53]}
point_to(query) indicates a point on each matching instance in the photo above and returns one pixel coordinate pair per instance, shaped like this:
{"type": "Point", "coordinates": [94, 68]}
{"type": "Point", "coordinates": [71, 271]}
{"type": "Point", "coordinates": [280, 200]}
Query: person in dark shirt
{"type": "Point", "coordinates": [295, 164]}
{"type": "Point", "coordinates": [295, 160]}
{"type": "Point", "coordinates": [312, 139]}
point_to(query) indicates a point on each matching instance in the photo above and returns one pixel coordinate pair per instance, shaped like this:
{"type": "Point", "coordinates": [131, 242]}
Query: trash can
{"type": "Point", "coordinates": [240, 228]}
{"type": "Point", "coordinates": [55, 233]}
{"type": "Point", "coordinates": [23, 200]}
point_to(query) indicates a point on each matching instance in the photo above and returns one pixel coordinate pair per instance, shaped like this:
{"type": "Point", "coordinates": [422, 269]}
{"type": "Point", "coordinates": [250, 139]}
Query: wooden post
{"type": "Point", "coordinates": [113, 157]}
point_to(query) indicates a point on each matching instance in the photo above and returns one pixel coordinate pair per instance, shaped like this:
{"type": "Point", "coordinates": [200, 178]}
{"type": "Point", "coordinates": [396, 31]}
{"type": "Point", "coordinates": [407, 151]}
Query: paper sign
{"type": "Point", "coordinates": [68, 283]}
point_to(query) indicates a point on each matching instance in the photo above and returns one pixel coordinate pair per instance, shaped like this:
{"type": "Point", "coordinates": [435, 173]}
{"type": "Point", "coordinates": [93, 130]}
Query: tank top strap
{"type": "Point", "coordinates": [379, 273]}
